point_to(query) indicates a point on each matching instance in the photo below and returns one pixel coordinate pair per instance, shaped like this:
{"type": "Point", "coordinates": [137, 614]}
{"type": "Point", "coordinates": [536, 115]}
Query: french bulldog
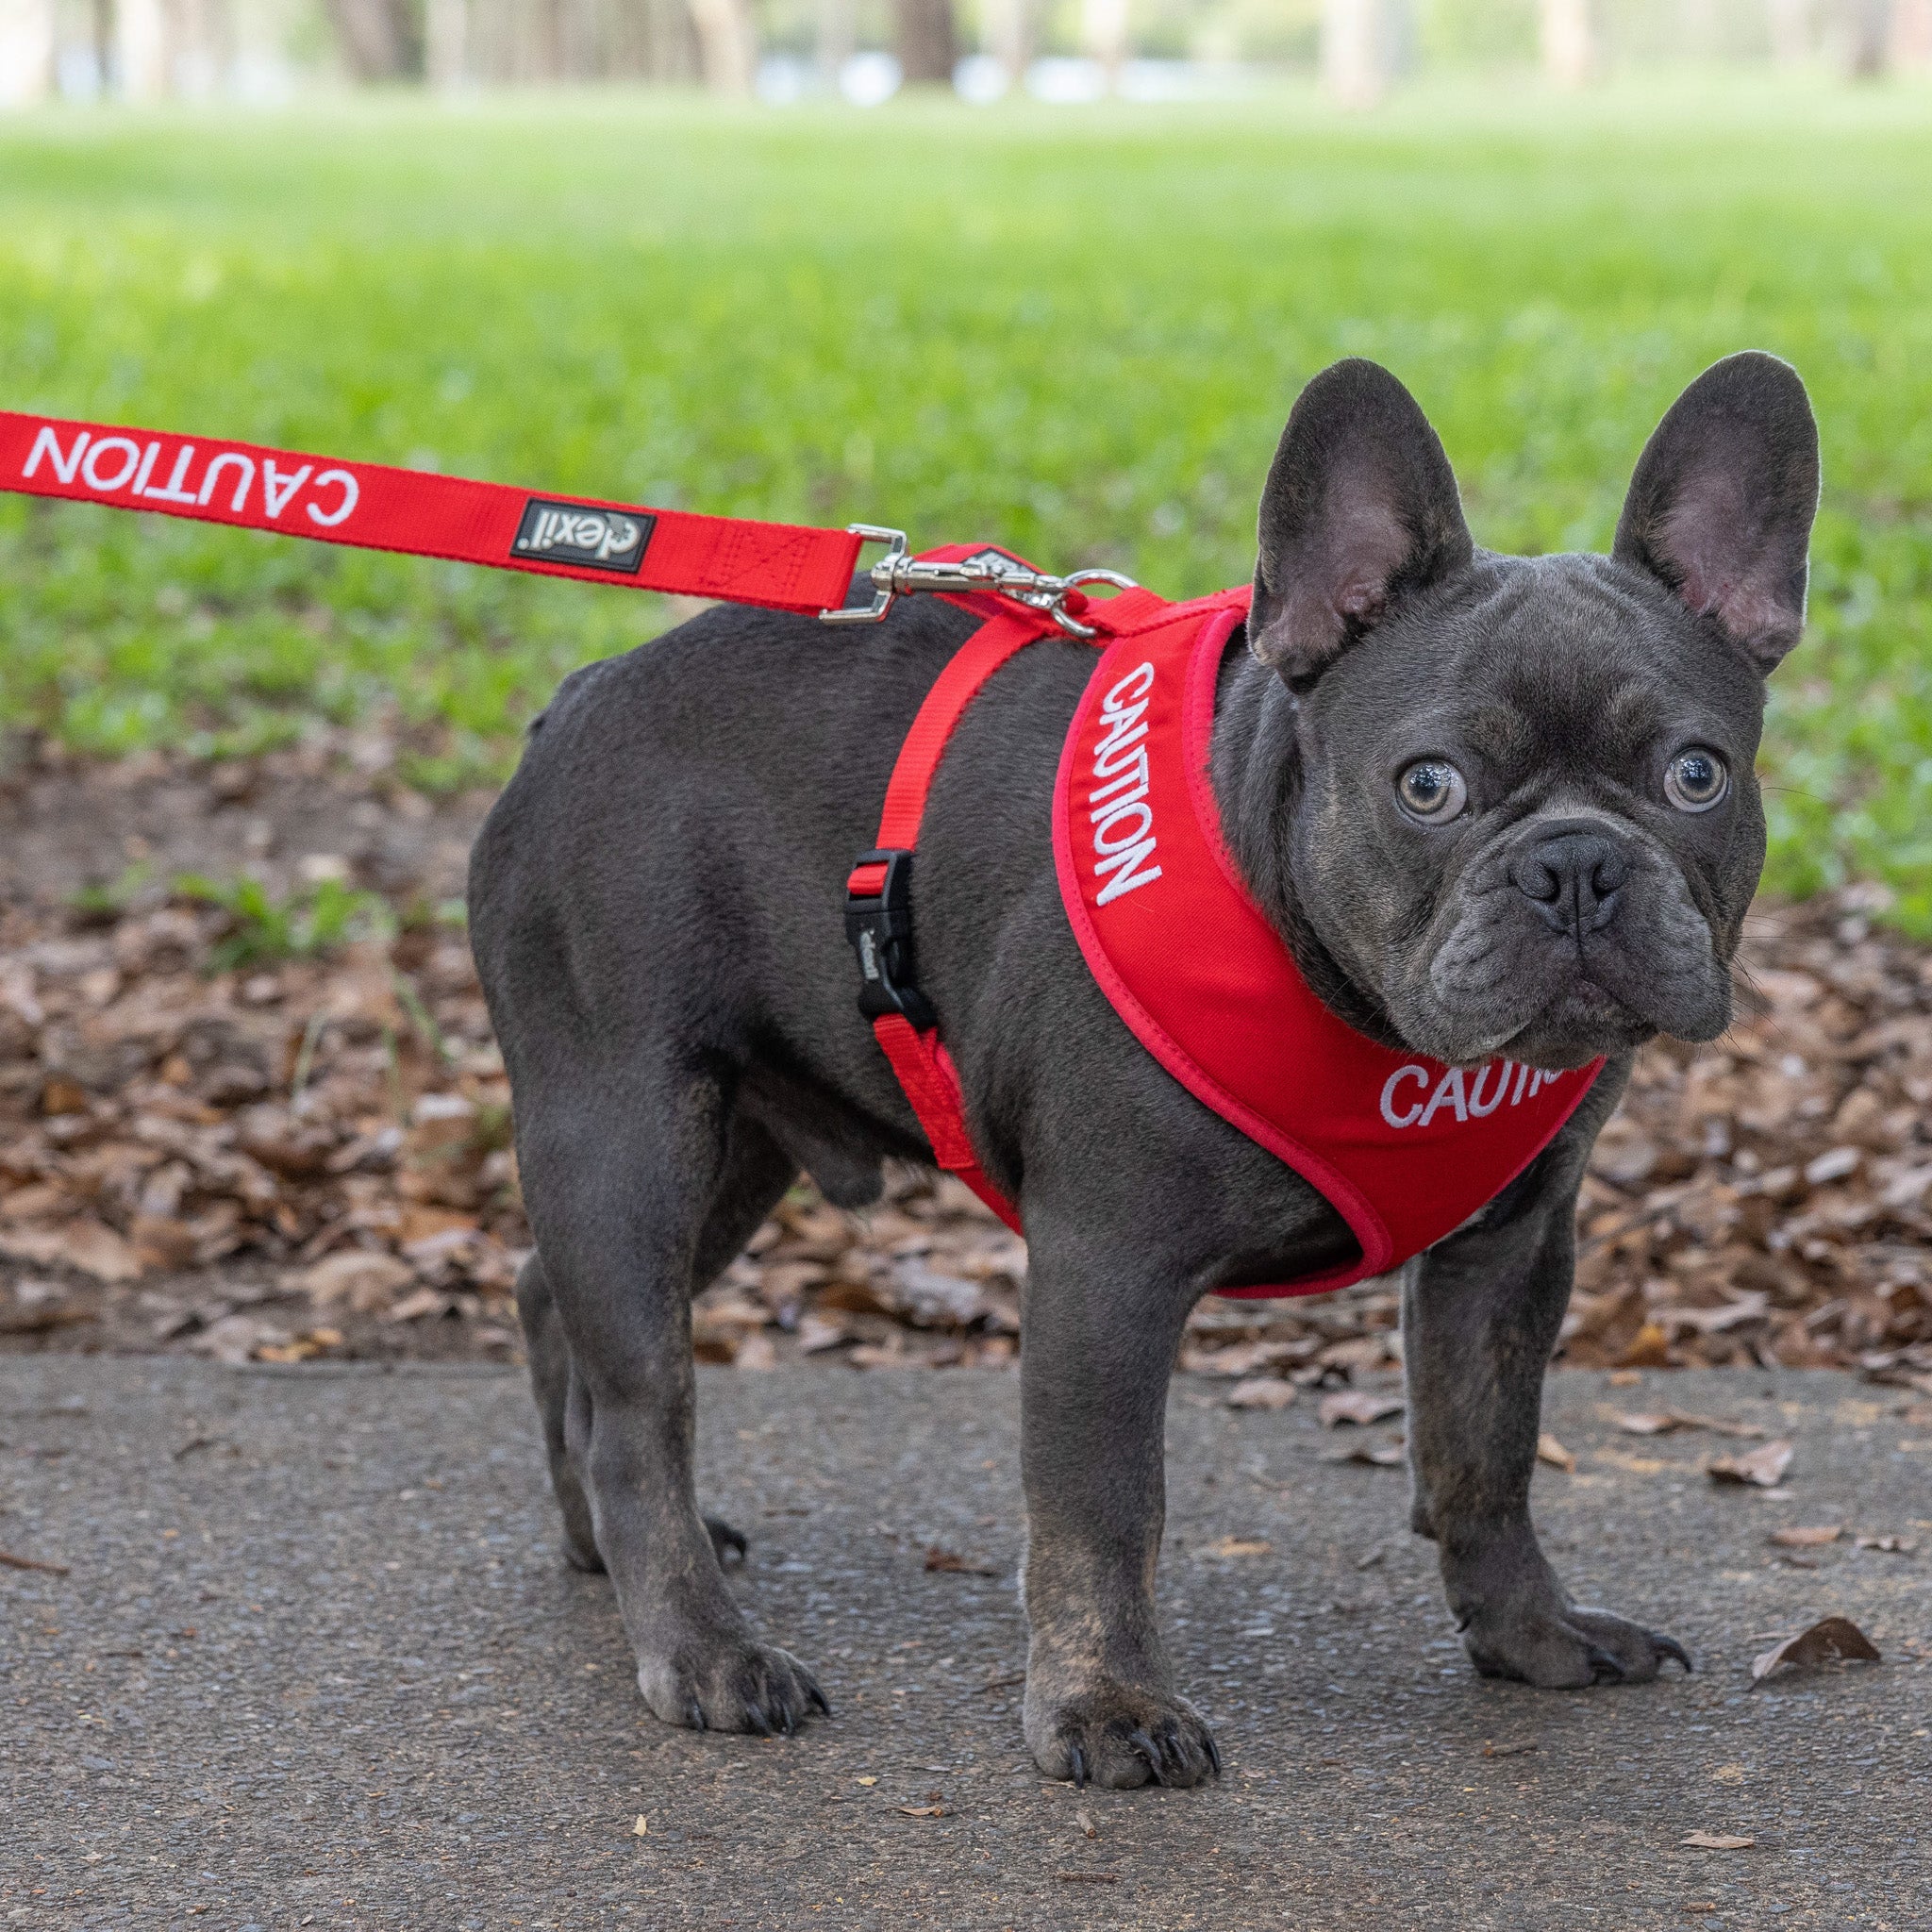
{"type": "Point", "coordinates": [1490, 803]}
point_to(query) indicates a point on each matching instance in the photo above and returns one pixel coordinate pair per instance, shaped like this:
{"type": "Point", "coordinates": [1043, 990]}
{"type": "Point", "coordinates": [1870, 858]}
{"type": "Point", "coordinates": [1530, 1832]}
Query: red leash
{"type": "Point", "coordinates": [784, 566]}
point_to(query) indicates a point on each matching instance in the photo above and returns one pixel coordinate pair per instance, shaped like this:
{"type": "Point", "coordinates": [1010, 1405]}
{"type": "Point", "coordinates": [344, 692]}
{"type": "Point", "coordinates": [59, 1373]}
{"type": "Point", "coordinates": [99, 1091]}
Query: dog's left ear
{"type": "Point", "coordinates": [1721, 503]}
{"type": "Point", "coordinates": [1359, 512]}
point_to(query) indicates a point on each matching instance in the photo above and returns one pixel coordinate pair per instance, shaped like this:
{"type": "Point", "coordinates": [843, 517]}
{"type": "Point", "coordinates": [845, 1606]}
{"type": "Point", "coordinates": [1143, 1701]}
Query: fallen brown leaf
{"type": "Point", "coordinates": [1763, 1466]}
{"type": "Point", "coordinates": [1649, 1348]}
{"type": "Point", "coordinates": [1491, 1749]}
{"type": "Point", "coordinates": [953, 1563]}
{"type": "Point", "coordinates": [82, 1243]}
{"type": "Point", "coordinates": [1831, 1639]}
{"type": "Point", "coordinates": [1261, 1392]}
{"type": "Point", "coordinates": [1809, 1536]}
{"type": "Point", "coordinates": [1716, 1841]}
{"type": "Point", "coordinates": [1087, 1878]}
{"type": "Point", "coordinates": [38, 1321]}
{"type": "Point", "coordinates": [1237, 1546]}
{"type": "Point", "coordinates": [1668, 1421]}
{"type": "Point", "coordinates": [1378, 1454]}
{"type": "Point", "coordinates": [1364, 1406]}
{"type": "Point", "coordinates": [922, 1810]}
{"type": "Point", "coordinates": [642, 1827]}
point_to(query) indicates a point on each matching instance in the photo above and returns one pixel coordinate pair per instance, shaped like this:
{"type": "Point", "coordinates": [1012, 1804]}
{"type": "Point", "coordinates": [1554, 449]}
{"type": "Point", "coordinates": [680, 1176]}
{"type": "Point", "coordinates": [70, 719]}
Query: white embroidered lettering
{"type": "Point", "coordinates": [171, 491]}
{"type": "Point", "coordinates": [1448, 1093]}
{"type": "Point", "coordinates": [1389, 1089]}
{"type": "Point", "coordinates": [90, 470]}
{"type": "Point", "coordinates": [277, 490]}
{"type": "Point", "coordinates": [47, 444]}
{"type": "Point", "coordinates": [1132, 780]}
{"type": "Point", "coordinates": [1131, 878]}
{"type": "Point", "coordinates": [245, 464]}
{"type": "Point", "coordinates": [350, 492]}
{"type": "Point", "coordinates": [1122, 819]}
{"type": "Point", "coordinates": [1482, 1109]}
{"type": "Point", "coordinates": [1102, 843]}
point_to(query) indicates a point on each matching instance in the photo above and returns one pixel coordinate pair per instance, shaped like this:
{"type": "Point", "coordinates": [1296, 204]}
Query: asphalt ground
{"type": "Point", "coordinates": [315, 1663]}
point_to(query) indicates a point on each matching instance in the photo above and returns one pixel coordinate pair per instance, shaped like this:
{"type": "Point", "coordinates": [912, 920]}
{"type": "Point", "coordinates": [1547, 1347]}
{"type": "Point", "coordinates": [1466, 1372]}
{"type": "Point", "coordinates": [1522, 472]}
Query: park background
{"type": "Point", "coordinates": [1057, 289]}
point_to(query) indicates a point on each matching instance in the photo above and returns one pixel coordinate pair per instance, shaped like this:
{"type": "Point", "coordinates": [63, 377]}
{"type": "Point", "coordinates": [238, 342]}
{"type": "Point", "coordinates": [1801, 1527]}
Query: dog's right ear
{"type": "Point", "coordinates": [1361, 510]}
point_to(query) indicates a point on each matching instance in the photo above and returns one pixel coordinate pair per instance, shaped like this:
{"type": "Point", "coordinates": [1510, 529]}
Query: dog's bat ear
{"type": "Point", "coordinates": [1361, 510]}
{"type": "Point", "coordinates": [1721, 505]}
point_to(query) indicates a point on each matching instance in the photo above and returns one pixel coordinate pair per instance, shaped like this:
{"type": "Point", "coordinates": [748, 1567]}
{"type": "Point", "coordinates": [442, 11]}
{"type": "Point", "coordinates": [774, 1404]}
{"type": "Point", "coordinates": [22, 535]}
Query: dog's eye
{"type": "Point", "coordinates": [1432, 790]}
{"type": "Point", "coordinates": [1696, 779]}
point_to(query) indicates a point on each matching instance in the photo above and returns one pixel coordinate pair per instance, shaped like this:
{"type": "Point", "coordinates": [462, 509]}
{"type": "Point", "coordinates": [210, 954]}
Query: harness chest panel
{"type": "Point", "coordinates": [1403, 1148]}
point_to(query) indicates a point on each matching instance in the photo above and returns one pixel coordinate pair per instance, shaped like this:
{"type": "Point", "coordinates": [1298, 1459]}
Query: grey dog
{"type": "Point", "coordinates": [1491, 803]}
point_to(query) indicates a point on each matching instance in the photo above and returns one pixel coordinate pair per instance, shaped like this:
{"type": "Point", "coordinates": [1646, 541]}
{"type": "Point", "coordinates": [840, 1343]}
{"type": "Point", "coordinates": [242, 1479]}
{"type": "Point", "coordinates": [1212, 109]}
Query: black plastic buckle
{"type": "Point", "coordinates": [879, 925]}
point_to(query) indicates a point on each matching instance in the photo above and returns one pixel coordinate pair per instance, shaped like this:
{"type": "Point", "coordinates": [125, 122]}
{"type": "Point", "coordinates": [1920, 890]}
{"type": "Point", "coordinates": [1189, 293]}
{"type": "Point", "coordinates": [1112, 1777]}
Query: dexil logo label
{"type": "Point", "coordinates": [591, 538]}
{"type": "Point", "coordinates": [1413, 1095]}
{"type": "Point", "coordinates": [160, 472]}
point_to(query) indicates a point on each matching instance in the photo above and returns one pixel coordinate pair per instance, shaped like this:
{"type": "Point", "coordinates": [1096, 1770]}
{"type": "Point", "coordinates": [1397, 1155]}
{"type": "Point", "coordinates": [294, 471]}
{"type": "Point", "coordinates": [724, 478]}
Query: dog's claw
{"type": "Point", "coordinates": [817, 1696]}
{"type": "Point", "coordinates": [1079, 1767]}
{"type": "Point", "coordinates": [726, 1541]}
{"type": "Point", "coordinates": [1153, 1753]}
{"type": "Point", "coordinates": [694, 1716]}
{"type": "Point", "coordinates": [759, 1722]}
{"type": "Point", "coordinates": [1604, 1668]}
{"type": "Point", "coordinates": [1213, 1751]}
{"type": "Point", "coordinates": [1672, 1648]}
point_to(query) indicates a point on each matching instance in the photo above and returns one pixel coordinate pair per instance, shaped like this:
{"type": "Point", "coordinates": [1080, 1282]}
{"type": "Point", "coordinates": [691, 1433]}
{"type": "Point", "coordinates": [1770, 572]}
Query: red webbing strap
{"type": "Point", "coordinates": [783, 566]}
{"type": "Point", "coordinates": [917, 763]}
{"type": "Point", "coordinates": [925, 1071]}
{"type": "Point", "coordinates": [923, 1067]}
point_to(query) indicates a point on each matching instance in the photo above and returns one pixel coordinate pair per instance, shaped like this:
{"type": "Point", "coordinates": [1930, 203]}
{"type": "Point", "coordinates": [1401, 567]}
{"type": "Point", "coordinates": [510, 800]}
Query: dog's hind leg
{"type": "Point", "coordinates": [557, 1393]}
{"type": "Point", "coordinates": [638, 1190]}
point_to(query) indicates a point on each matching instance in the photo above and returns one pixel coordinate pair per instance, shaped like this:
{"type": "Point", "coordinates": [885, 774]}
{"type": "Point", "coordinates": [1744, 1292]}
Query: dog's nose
{"type": "Point", "coordinates": [1572, 880]}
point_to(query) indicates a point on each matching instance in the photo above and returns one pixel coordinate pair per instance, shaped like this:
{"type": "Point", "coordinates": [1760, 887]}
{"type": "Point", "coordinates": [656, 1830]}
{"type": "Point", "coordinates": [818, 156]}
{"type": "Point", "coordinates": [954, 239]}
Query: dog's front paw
{"type": "Point", "coordinates": [1118, 1736]}
{"type": "Point", "coordinates": [733, 1683]}
{"type": "Point", "coordinates": [1558, 1646]}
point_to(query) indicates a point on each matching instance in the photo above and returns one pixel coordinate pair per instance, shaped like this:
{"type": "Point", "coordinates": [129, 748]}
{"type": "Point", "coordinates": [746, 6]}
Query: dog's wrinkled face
{"type": "Point", "coordinates": [1526, 819]}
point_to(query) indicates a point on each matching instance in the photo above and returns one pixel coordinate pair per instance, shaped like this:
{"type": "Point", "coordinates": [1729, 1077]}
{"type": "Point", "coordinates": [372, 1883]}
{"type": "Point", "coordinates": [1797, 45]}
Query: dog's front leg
{"type": "Point", "coordinates": [1481, 1313]}
{"type": "Point", "coordinates": [1101, 1702]}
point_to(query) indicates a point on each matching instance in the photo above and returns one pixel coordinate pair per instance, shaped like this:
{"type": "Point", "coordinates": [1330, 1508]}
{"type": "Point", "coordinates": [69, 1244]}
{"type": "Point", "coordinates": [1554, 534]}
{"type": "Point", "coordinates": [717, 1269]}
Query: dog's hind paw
{"type": "Point", "coordinates": [1117, 1736]}
{"type": "Point", "coordinates": [744, 1685]}
{"type": "Point", "coordinates": [1566, 1648]}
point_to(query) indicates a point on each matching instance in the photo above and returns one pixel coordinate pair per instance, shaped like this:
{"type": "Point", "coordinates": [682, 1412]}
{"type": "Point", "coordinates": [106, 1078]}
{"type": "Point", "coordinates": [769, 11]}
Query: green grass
{"type": "Point", "coordinates": [1078, 332]}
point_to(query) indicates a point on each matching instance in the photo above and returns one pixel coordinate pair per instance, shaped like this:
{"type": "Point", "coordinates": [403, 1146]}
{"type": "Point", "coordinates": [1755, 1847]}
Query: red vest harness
{"type": "Point", "coordinates": [1404, 1149]}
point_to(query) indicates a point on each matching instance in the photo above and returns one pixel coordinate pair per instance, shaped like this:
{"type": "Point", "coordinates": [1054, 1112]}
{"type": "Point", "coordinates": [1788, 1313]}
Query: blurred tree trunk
{"type": "Point", "coordinates": [377, 37]}
{"type": "Point", "coordinates": [1569, 47]}
{"type": "Point", "coordinates": [1104, 36]}
{"type": "Point", "coordinates": [727, 44]}
{"type": "Point", "coordinates": [926, 41]}
{"type": "Point", "coordinates": [1912, 33]}
{"type": "Point", "coordinates": [140, 50]}
{"type": "Point", "coordinates": [446, 43]}
{"type": "Point", "coordinates": [26, 52]}
{"type": "Point", "coordinates": [1352, 53]}
{"type": "Point", "coordinates": [1012, 34]}
{"type": "Point", "coordinates": [835, 36]}
{"type": "Point", "coordinates": [1790, 23]}
{"type": "Point", "coordinates": [1871, 37]}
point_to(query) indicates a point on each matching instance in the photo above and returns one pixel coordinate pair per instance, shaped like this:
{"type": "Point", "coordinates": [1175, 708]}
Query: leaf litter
{"type": "Point", "coordinates": [268, 1121]}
